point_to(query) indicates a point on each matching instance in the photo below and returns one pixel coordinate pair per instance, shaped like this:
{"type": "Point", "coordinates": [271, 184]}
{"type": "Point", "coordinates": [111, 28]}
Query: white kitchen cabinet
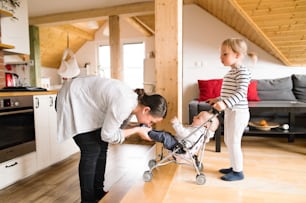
{"type": "Point", "coordinates": [16, 31]}
{"type": "Point", "coordinates": [59, 150]}
{"type": "Point", "coordinates": [18, 168]}
{"type": "Point", "coordinates": [42, 111]}
{"type": "Point", "coordinates": [49, 150]}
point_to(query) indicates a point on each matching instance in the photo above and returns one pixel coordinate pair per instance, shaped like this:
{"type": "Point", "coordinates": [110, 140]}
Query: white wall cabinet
{"type": "Point", "coordinates": [49, 150]}
{"type": "Point", "coordinates": [16, 31]}
{"type": "Point", "coordinates": [18, 168]}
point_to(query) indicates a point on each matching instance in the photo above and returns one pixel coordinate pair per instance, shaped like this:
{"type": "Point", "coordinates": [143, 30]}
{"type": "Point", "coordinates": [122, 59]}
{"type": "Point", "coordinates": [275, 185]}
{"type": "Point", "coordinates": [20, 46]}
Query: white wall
{"type": "Point", "coordinates": [51, 74]}
{"type": "Point", "coordinates": [88, 53]}
{"type": "Point", "coordinates": [202, 36]}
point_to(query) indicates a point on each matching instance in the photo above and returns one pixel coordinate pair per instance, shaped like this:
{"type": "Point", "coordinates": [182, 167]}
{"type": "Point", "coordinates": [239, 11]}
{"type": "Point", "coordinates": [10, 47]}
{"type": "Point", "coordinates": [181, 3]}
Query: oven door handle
{"type": "Point", "coordinates": [16, 112]}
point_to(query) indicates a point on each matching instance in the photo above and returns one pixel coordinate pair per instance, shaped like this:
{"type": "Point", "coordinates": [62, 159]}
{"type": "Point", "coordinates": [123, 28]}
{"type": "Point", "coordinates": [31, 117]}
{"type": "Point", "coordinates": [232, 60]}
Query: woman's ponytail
{"type": "Point", "coordinates": [156, 102]}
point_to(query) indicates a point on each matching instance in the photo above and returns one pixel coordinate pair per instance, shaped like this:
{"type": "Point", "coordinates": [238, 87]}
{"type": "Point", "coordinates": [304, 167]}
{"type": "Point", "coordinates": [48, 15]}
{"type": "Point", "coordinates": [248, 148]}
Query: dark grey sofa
{"type": "Point", "coordinates": [282, 100]}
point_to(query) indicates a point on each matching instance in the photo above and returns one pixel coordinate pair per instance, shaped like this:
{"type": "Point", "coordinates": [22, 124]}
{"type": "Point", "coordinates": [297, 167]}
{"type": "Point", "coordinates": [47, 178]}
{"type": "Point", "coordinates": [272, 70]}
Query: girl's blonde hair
{"type": "Point", "coordinates": [239, 46]}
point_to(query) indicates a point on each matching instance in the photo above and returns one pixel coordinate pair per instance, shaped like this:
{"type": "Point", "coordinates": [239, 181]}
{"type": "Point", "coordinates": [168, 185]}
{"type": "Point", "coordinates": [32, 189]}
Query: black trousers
{"type": "Point", "coordinates": [92, 165]}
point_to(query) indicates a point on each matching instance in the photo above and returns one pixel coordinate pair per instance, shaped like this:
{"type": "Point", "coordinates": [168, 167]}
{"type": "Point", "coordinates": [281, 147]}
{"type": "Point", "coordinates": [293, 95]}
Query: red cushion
{"type": "Point", "coordinates": [252, 91]}
{"type": "Point", "coordinates": [209, 89]}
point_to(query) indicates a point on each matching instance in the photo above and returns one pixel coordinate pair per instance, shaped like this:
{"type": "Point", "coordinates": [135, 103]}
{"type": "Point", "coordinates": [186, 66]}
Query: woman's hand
{"type": "Point", "coordinates": [143, 133]}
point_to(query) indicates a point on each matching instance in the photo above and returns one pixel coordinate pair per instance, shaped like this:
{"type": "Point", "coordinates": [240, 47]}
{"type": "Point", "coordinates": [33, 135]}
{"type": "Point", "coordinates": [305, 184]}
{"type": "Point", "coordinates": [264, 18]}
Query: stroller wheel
{"type": "Point", "coordinates": [201, 179]}
{"type": "Point", "coordinates": [147, 176]}
{"type": "Point", "coordinates": [152, 163]}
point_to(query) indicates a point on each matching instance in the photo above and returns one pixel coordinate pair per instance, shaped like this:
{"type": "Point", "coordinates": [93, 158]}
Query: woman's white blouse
{"type": "Point", "coordinates": [88, 103]}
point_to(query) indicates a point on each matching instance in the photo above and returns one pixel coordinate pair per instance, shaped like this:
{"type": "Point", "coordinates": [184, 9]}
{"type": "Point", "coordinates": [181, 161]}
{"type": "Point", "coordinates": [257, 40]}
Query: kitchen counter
{"type": "Point", "coordinates": [10, 94]}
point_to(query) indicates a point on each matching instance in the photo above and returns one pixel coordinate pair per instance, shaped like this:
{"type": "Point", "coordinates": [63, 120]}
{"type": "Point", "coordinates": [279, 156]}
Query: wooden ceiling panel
{"type": "Point", "coordinates": [283, 23]}
{"type": "Point", "coordinates": [55, 39]}
{"type": "Point", "coordinates": [230, 13]}
{"type": "Point", "coordinates": [53, 42]}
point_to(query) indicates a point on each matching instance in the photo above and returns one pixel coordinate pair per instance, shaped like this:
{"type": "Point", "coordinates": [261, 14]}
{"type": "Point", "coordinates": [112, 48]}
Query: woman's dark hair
{"type": "Point", "coordinates": [156, 102]}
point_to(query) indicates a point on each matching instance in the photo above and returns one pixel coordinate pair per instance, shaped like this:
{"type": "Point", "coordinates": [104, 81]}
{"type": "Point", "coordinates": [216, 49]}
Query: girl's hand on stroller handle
{"type": "Point", "coordinates": [214, 111]}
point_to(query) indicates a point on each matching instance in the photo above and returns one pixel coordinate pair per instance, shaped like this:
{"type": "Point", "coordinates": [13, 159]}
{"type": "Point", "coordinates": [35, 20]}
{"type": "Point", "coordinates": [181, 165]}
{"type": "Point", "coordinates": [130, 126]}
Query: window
{"type": "Point", "coordinates": [104, 61]}
{"type": "Point", "coordinates": [133, 57]}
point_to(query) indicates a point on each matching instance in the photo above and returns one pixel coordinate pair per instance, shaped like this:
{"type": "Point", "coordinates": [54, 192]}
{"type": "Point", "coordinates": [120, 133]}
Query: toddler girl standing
{"type": "Point", "coordinates": [233, 101]}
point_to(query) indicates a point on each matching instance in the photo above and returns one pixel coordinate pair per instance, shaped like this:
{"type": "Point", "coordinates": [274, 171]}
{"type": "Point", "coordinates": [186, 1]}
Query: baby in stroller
{"type": "Point", "coordinates": [186, 144]}
{"type": "Point", "coordinates": [172, 142]}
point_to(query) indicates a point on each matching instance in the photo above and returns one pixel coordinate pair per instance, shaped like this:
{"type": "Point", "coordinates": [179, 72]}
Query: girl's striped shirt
{"type": "Point", "coordinates": [235, 88]}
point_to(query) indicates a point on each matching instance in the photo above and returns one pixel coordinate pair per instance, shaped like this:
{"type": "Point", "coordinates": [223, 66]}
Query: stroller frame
{"type": "Point", "coordinates": [193, 160]}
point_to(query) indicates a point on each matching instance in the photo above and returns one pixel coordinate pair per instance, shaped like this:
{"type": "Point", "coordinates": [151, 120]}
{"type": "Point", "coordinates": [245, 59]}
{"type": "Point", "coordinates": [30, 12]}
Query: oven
{"type": "Point", "coordinates": [17, 131]}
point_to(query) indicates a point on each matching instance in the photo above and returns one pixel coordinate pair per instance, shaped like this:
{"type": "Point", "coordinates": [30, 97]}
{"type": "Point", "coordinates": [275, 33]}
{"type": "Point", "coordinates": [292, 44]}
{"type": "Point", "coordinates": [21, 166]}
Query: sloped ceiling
{"type": "Point", "coordinates": [278, 27]}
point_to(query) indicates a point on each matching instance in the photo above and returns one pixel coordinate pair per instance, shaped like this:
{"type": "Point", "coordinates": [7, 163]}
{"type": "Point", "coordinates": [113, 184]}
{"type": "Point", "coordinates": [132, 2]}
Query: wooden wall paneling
{"type": "Point", "coordinates": [115, 48]}
{"type": "Point", "coordinates": [168, 46]}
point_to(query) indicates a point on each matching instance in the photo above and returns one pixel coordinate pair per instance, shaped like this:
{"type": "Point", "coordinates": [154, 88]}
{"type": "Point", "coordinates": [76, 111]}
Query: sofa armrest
{"type": "Point", "coordinates": [193, 109]}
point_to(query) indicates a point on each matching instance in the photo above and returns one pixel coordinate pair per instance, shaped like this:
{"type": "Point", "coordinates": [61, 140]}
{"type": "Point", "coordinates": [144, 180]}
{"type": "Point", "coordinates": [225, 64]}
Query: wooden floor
{"type": "Point", "coordinates": [60, 184]}
{"type": "Point", "coordinates": [275, 172]}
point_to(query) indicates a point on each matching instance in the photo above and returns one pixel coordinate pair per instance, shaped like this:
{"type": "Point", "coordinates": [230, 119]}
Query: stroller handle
{"type": "Point", "coordinates": [214, 111]}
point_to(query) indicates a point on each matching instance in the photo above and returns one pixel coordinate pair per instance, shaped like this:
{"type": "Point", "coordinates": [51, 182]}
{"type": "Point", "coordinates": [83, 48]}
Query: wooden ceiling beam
{"type": "Point", "coordinates": [93, 14]}
{"type": "Point", "coordinates": [146, 30]}
{"type": "Point", "coordinates": [188, 2]}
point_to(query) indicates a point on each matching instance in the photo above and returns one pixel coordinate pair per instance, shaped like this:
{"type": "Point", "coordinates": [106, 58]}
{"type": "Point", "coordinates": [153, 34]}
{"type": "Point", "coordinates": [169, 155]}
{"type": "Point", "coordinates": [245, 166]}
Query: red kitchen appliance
{"type": "Point", "coordinates": [11, 79]}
